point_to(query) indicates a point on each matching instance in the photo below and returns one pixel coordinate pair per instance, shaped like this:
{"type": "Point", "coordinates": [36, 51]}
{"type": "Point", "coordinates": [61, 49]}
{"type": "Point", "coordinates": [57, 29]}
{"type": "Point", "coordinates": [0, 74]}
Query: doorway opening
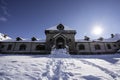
{"type": "Point", "coordinates": [60, 43]}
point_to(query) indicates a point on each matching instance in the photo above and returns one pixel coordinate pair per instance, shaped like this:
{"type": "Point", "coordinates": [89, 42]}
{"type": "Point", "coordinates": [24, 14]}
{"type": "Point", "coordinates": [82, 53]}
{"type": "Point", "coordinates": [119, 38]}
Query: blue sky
{"type": "Point", "coordinates": [28, 18]}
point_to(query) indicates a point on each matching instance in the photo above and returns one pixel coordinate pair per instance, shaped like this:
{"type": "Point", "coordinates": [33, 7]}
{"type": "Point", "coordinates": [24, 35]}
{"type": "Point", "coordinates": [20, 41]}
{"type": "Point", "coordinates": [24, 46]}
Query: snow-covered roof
{"type": "Point", "coordinates": [82, 40]}
{"type": "Point", "coordinates": [114, 39]}
{"type": "Point", "coordinates": [55, 28]}
{"type": "Point", "coordinates": [4, 37]}
{"type": "Point", "coordinates": [24, 40]}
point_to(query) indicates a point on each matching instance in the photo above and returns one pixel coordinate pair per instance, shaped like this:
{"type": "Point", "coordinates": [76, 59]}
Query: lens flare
{"type": "Point", "coordinates": [97, 30]}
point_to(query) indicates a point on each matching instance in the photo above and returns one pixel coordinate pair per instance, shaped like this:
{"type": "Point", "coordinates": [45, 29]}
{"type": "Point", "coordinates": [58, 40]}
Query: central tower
{"type": "Point", "coordinates": [60, 36]}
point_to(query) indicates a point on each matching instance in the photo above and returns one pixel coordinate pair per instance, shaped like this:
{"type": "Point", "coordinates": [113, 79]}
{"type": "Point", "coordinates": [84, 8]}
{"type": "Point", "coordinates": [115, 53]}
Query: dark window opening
{"type": "Point", "coordinates": [9, 47]}
{"type": "Point", "coordinates": [60, 46]}
{"type": "Point", "coordinates": [2, 46]}
{"type": "Point", "coordinates": [50, 39]}
{"type": "Point", "coordinates": [40, 47]}
{"type": "Point", "coordinates": [81, 47]}
{"type": "Point", "coordinates": [115, 45]}
{"type": "Point", "coordinates": [97, 47]}
{"type": "Point", "coordinates": [69, 40]}
{"type": "Point", "coordinates": [108, 46]}
{"type": "Point", "coordinates": [60, 27]}
{"type": "Point", "coordinates": [22, 47]}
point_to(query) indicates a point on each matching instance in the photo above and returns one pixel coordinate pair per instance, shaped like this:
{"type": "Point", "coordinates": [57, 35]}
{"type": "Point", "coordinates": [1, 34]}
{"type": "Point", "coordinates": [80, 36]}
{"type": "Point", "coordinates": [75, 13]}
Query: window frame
{"type": "Point", "coordinates": [81, 47]}
{"type": "Point", "coordinates": [97, 47]}
{"type": "Point", "coordinates": [22, 47]}
{"type": "Point", "coordinates": [109, 46]}
{"type": "Point", "coordinates": [9, 47]}
{"type": "Point", "coordinates": [40, 47]}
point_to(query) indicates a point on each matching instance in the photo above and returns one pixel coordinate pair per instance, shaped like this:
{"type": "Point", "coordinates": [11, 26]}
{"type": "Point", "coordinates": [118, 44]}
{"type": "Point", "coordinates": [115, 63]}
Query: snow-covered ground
{"type": "Point", "coordinates": [65, 67]}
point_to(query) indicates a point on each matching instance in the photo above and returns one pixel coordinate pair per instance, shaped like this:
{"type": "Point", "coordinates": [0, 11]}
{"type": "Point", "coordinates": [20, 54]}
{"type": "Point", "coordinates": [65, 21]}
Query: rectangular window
{"type": "Point", "coordinates": [81, 47]}
{"type": "Point", "coordinates": [108, 46]}
{"type": "Point", "coordinates": [97, 47]}
{"type": "Point", "coordinates": [9, 47]}
{"type": "Point", "coordinates": [115, 45]}
{"type": "Point", "coordinates": [2, 46]}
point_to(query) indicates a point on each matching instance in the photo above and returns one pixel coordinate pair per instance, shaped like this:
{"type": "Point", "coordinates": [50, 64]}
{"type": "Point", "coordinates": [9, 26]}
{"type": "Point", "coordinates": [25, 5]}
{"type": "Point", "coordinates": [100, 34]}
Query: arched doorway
{"type": "Point", "coordinates": [60, 43]}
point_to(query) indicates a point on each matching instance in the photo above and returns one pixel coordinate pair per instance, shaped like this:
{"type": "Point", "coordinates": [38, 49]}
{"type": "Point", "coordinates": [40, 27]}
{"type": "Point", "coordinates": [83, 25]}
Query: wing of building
{"type": "Point", "coordinates": [59, 37]}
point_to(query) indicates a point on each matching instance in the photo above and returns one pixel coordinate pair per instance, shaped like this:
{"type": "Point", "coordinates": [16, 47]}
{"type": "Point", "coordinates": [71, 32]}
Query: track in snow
{"type": "Point", "coordinates": [55, 70]}
{"type": "Point", "coordinates": [111, 73]}
{"type": "Point", "coordinates": [33, 67]}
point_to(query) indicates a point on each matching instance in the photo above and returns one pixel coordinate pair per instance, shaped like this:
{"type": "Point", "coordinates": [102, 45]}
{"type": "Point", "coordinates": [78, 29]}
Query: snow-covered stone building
{"type": "Point", "coordinates": [59, 37]}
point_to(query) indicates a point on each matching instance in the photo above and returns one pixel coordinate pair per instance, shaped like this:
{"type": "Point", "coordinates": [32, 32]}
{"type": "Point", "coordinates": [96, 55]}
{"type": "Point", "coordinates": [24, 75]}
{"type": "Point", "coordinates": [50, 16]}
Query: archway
{"type": "Point", "coordinates": [60, 43]}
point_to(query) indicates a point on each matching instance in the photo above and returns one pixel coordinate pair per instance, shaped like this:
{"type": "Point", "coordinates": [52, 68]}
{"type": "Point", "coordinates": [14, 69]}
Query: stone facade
{"type": "Point", "coordinates": [58, 37]}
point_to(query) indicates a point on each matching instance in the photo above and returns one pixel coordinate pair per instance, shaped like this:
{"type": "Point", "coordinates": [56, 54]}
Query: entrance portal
{"type": "Point", "coordinates": [60, 43]}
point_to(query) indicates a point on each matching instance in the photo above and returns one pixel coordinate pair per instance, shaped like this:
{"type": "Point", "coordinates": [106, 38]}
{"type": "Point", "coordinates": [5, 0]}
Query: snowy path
{"type": "Point", "coordinates": [55, 70]}
{"type": "Point", "coordinates": [31, 67]}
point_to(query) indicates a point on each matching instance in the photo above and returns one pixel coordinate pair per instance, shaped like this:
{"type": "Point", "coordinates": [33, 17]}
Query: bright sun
{"type": "Point", "coordinates": [97, 30]}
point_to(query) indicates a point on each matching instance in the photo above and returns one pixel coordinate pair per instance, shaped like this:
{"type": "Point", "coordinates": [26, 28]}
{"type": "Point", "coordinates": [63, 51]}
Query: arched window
{"type": "Point", "coordinates": [108, 46]}
{"type": "Point", "coordinates": [9, 47]}
{"type": "Point", "coordinates": [97, 47]}
{"type": "Point", "coordinates": [22, 47]}
{"type": "Point", "coordinates": [81, 47]}
{"type": "Point", "coordinates": [40, 47]}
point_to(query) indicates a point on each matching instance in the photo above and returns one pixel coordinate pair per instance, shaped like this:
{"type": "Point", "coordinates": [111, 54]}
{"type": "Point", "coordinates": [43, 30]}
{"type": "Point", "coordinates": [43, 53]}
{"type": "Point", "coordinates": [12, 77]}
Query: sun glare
{"type": "Point", "coordinates": [97, 30]}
